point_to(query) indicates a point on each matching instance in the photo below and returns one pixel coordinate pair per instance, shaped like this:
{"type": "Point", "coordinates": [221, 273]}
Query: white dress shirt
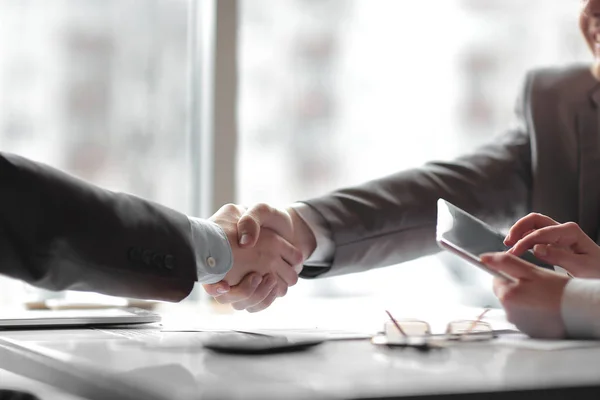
{"type": "Point", "coordinates": [580, 308]}
{"type": "Point", "coordinates": [212, 250]}
{"type": "Point", "coordinates": [323, 254]}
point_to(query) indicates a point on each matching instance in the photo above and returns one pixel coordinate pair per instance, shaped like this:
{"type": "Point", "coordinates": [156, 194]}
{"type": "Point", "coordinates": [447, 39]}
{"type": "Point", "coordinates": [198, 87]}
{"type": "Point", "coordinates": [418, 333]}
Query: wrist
{"type": "Point", "coordinates": [304, 238]}
{"type": "Point", "coordinates": [212, 250]}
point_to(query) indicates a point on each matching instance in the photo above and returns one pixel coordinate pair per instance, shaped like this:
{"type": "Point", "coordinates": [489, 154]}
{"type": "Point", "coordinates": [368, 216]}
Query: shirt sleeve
{"type": "Point", "coordinates": [212, 250]}
{"type": "Point", "coordinates": [323, 254]}
{"type": "Point", "coordinates": [580, 308]}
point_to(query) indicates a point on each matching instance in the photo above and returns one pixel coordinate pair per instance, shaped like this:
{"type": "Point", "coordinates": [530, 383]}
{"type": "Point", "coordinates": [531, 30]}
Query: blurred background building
{"type": "Point", "coordinates": [98, 88]}
{"type": "Point", "coordinates": [331, 93]}
{"type": "Point", "coordinates": [336, 92]}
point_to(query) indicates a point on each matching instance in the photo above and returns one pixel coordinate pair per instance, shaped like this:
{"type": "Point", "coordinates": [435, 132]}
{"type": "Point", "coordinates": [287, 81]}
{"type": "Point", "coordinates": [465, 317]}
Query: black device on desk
{"type": "Point", "coordinates": [248, 343]}
{"type": "Point", "coordinates": [466, 236]}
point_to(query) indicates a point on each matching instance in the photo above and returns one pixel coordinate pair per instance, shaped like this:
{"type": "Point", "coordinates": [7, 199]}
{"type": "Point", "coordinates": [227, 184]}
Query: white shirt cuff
{"type": "Point", "coordinates": [580, 308]}
{"type": "Point", "coordinates": [214, 257]}
{"type": "Point", "coordinates": [323, 254]}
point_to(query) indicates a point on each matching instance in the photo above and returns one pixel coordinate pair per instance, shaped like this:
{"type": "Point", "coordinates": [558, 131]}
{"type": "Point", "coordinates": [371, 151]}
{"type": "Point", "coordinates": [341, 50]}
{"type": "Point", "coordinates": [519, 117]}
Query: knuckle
{"type": "Point", "coordinates": [270, 299]}
{"type": "Point", "coordinates": [239, 306]}
{"type": "Point", "coordinates": [224, 299]}
{"type": "Point", "coordinates": [572, 226]}
{"type": "Point", "coordinates": [282, 291]}
{"type": "Point", "coordinates": [248, 219]}
{"type": "Point", "coordinates": [263, 305]}
{"type": "Point", "coordinates": [533, 237]}
{"type": "Point", "coordinates": [245, 291]}
{"type": "Point", "coordinates": [297, 256]}
{"type": "Point", "coordinates": [261, 294]}
{"type": "Point", "coordinates": [229, 207]}
{"type": "Point", "coordinates": [245, 294]}
{"type": "Point", "coordinates": [261, 208]}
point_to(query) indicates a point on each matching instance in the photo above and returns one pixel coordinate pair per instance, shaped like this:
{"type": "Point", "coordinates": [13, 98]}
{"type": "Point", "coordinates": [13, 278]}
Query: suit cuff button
{"type": "Point", "coordinates": [169, 262]}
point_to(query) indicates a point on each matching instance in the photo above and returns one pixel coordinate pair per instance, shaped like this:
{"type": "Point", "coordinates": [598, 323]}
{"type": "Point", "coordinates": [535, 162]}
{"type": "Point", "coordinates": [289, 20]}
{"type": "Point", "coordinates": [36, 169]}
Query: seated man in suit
{"type": "Point", "coordinates": [58, 232]}
{"type": "Point", "coordinates": [549, 162]}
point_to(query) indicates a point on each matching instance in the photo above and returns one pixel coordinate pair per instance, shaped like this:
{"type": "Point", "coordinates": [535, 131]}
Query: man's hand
{"type": "Point", "coordinates": [533, 304]}
{"type": "Point", "coordinates": [253, 293]}
{"type": "Point", "coordinates": [294, 230]}
{"type": "Point", "coordinates": [565, 245]}
{"type": "Point", "coordinates": [268, 267]}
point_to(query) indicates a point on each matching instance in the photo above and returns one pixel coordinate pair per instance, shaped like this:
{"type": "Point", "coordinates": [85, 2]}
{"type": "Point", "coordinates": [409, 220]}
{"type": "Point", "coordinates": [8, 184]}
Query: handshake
{"type": "Point", "coordinates": [269, 246]}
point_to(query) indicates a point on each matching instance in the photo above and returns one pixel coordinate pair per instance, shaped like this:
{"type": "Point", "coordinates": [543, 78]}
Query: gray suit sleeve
{"type": "Point", "coordinates": [58, 232]}
{"type": "Point", "coordinates": [392, 220]}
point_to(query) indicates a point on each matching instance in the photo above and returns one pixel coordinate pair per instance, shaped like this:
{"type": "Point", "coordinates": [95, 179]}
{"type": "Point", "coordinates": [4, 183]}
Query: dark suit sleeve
{"type": "Point", "coordinates": [58, 232]}
{"type": "Point", "coordinates": [392, 220]}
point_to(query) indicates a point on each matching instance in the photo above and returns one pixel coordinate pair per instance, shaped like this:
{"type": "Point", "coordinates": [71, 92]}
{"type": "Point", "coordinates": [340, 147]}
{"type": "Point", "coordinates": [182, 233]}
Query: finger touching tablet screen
{"type": "Point", "coordinates": [466, 236]}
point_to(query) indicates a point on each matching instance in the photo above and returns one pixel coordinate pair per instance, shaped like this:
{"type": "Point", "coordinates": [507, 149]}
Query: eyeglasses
{"type": "Point", "coordinates": [417, 333]}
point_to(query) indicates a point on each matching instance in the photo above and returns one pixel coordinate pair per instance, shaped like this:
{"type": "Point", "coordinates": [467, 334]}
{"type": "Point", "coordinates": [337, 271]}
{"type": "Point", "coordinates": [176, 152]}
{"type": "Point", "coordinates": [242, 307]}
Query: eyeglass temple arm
{"type": "Point", "coordinates": [396, 324]}
{"type": "Point", "coordinates": [479, 318]}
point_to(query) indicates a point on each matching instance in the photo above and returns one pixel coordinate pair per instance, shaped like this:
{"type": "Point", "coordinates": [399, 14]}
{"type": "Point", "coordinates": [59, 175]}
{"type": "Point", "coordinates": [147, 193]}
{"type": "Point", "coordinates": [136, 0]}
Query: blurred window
{"type": "Point", "coordinates": [331, 93]}
{"type": "Point", "coordinates": [336, 92]}
{"type": "Point", "coordinates": [98, 88]}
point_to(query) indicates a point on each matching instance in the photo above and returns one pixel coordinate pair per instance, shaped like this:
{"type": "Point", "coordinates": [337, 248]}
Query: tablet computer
{"type": "Point", "coordinates": [63, 318]}
{"type": "Point", "coordinates": [466, 236]}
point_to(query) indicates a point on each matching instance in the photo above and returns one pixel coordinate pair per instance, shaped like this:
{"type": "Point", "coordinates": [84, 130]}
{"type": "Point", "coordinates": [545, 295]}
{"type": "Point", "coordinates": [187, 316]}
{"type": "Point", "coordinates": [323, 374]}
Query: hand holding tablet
{"type": "Point", "coordinates": [468, 237]}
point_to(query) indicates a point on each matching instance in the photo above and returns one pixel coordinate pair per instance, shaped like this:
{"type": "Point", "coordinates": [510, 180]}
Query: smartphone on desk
{"type": "Point", "coordinates": [466, 236]}
{"type": "Point", "coordinates": [249, 343]}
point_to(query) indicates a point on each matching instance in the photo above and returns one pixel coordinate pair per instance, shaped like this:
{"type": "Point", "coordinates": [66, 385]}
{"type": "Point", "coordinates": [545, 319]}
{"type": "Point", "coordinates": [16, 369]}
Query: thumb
{"type": "Point", "coordinates": [509, 264]}
{"type": "Point", "coordinates": [263, 215]}
{"type": "Point", "coordinates": [217, 289]}
{"type": "Point", "coordinates": [248, 228]}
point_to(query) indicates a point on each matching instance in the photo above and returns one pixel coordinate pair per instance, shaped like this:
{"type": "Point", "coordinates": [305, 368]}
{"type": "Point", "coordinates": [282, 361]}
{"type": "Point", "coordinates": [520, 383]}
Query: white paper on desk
{"type": "Point", "coordinates": [299, 334]}
{"type": "Point", "coordinates": [520, 340]}
{"type": "Point", "coordinates": [292, 334]}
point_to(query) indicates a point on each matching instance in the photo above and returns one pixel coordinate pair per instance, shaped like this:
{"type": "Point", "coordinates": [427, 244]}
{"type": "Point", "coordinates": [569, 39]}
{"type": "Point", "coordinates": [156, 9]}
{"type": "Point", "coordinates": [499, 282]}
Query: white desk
{"type": "Point", "coordinates": [98, 365]}
{"type": "Point", "coordinates": [41, 391]}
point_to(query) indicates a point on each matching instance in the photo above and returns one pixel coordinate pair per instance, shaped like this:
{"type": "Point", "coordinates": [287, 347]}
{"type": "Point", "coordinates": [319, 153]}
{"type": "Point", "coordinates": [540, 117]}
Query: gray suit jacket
{"type": "Point", "coordinates": [548, 163]}
{"type": "Point", "coordinates": [59, 232]}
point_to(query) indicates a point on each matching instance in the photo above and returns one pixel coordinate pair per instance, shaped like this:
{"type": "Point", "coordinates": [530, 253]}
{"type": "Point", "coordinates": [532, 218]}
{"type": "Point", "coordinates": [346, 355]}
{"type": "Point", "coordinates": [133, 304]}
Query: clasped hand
{"type": "Point", "coordinates": [267, 255]}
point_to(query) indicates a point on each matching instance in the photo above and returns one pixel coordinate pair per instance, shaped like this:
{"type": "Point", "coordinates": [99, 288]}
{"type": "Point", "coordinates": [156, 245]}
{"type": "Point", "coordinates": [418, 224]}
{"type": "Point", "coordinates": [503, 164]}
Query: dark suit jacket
{"type": "Point", "coordinates": [548, 162]}
{"type": "Point", "coordinates": [59, 232]}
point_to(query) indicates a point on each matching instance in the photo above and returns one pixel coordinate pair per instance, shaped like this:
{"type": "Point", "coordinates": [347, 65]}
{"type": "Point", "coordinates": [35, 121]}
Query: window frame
{"type": "Point", "coordinates": [212, 124]}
